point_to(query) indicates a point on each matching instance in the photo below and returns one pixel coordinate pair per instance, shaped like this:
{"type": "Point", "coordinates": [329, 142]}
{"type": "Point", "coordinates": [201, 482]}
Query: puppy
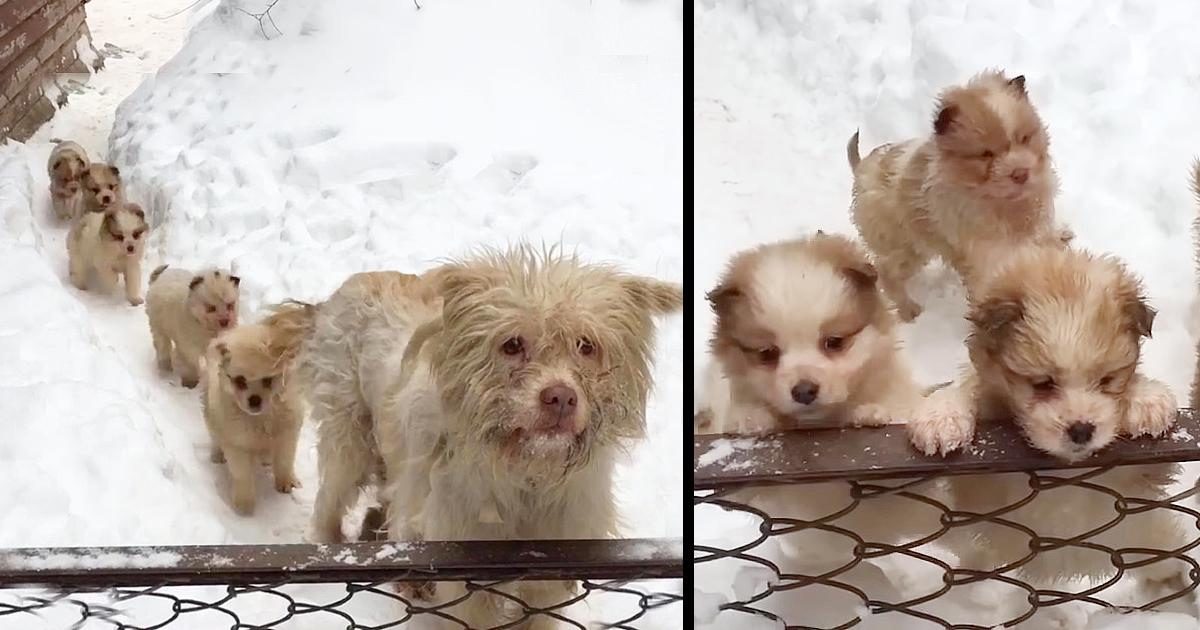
{"type": "Point", "coordinates": [980, 184]}
{"type": "Point", "coordinates": [66, 167]}
{"type": "Point", "coordinates": [250, 407]}
{"type": "Point", "coordinates": [109, 244]}
{"type": "Point", "coordinates": [102, 188]}
{"type": "Point", "coordinates": [186, 311]}
{"type": "Point", "coordinates": [1054, 346]}
{"type": "Point", "coordinates": [804, 338]}
{"type": "Point", "coordinates": [498, 392]}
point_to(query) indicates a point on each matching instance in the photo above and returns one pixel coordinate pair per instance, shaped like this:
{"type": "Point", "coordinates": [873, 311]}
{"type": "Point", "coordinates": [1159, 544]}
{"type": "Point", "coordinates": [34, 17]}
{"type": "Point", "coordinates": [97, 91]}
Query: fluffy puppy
{"type": "Point", "coordinates": [498, 392]}
{"type": "Point", "coordinates": [981, 183]}
{"type": "Point", "coordinates": [66, 167]}
{"type": "Point", "coordinates": [803, 338]}
{"type": "Point", "coordinates": [1054, 346]}
{"type": "Point", "coordinates": [186, 310]}
{"type": "Point", "coordinates": [109, 244]}
{"type": "Point", "coordinates": [250, 407]}
{"type": "Point", "coordinates": [102, 188]}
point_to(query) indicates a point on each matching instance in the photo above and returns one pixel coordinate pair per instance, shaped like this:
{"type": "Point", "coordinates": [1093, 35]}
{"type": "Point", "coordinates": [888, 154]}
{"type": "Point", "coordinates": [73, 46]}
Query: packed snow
{"type": "Point", "coordinates": [779, 88]}
{"type": "Point", "coordinates": [350, 139]}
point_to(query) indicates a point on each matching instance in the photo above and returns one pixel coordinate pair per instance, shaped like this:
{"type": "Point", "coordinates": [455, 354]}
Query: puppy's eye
{"type": "Point", "coordinates": [586, 348]}
{"type": "Point", "coordinates": [1106, 381]}
{"type": "Point", "coordinates": [239, 382]}
{"type": "Point", "coordinates": [210, 308]}
{"type": "Point", "coordinates": [987, 155]}
{"type": "Point", "coordinates": [1044, 385]}
{"type": "Point", "coordinates": [230, 306]}
{"type": "Point", "coordinates": [267, 382]}
{"type": "Point", "coordinates": [513, 346]}
{"type": "Point", "coordinates": [1026, 138]}
{"type": "Point", "coordinates": [769, 355]}
{"type": "Point", "coordinates": [95, 190]}
{"type": "Point", "coordinates": [138, 233]}
{"type": "Point", "coordinates": [833, 344]}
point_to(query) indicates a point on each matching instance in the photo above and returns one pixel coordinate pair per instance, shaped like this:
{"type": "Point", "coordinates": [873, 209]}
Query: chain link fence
{"type": "Point", "coordinates": [632, 583]}
{"type": "Point", "coordinates": [841, 528]}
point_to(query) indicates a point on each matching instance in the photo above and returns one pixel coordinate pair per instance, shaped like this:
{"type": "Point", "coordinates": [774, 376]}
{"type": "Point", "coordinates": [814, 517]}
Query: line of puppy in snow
{"type": "Point", "coordinates": [805, 335]}
{"type": "Point", "coordinates": [493, 394]}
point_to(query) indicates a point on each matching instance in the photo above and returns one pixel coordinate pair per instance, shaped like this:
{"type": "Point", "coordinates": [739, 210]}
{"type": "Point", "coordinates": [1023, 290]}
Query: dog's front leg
{"type": "Point", "coordinates": [945, 421]}
{"type": "Point", "coordinates": [284, 457]}
{"type": "Point", "coordinates": [133, 281]}
{"type": "Point", "coordinates": [242, 466]}
{"type": "Point", "coordinates": [1152, 408]}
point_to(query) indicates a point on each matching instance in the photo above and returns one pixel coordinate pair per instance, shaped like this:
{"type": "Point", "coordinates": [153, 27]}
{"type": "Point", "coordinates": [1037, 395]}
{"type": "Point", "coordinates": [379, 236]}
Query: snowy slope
{"type": "Point", "coordinates": [374, 138]}
{"type": "Point", "coordinates": [781, 86]}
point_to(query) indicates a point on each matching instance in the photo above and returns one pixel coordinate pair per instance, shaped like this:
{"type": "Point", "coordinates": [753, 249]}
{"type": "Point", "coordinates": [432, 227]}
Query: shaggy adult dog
{"type": "Point", "coordinates": [497, 391]}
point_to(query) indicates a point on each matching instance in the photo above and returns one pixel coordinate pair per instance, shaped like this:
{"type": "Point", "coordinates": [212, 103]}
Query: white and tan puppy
{"type": "Point", "coordinates": [1054, 345]}
{"type": "Point", "coordinates": [250, 405]}
{"type": "Point", "coordinates": [109, 244]}
{"type": "Point", "coordinates": [67, 164]}
{"type": "Point", "coordinates": [102, 188]}
{"type": "Point", "coordinates": [186, 310]}
{"type": "Point", "coordinates": [980, 184]}
{"type": "Point", "coordinates": [804, 338]}
{"type": "Point", "coordinates": [525, 374]}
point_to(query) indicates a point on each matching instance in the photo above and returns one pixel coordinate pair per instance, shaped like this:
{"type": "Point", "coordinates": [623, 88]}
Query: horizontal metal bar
{"type": "Point", "coordinates": [106, 567]}
{"type": "Point", "coordinates": [721, 461]}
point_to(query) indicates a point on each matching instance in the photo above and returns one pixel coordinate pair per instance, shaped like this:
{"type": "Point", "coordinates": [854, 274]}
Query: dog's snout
{"type": "Point", "coordinates": [559, 400]}
{"type": "Point", "coordinates": [1020, 175]}
{"type": "Point", "coordinates": [129, 248]}
{"type": "Point", "coordinates": [105, 199]}
{"type": "Point", "coordinates": [255, 401]}
{"type": "Point", "coordinates": [1081, 432]}
{"type": "Point", "coordinates": [224, 322]}
{"type": "Point", "coordinates": [805, 392]}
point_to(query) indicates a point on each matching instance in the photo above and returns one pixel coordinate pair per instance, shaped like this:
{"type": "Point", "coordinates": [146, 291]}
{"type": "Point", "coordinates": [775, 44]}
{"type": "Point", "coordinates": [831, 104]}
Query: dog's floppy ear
{"type": "Point", "coordinates": [1017, 83]}
{"type": "Point", "coordinates": [115, 172]}
{"type": "Point", "coordinates": [237, 282]}
{"type": "Point", "coordinates": [993, 316]}
{"type": "Point", "coordinates": [195, 283]}
{"type": "Point", "coordinates": [723, 298]}
{"type": "Point", "coordinates": [1134, 306]}
{"type": "Point", "coordinates": [848, 258]}
{"type": "Point", "coordinates": [222, 351]}
{"type": "Point", "coordinates": [656, 296]}
{"type": "Point", "coordinates": [944, 119]}
{"type": "Point", "coordinates": [136, 209]}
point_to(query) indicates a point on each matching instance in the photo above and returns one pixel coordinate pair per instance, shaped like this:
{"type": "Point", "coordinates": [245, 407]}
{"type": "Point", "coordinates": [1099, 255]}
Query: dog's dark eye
{"type": "Point", "coordinates": [987, 155]}
{"type": "Point", "coordinates": [586, 348]}
{"type": "Point", "coordinates": [769, 355]}
{"type": "Point", "coordinates": [1026, 138]}
{"type": "Point", "coordinates": [267, 382]}
{"type": "Point", "coordinates": [138, 233]}
{"type": "Point", "coordinates": [210, 308]}
{"type": "Point", "coordinates": [1044, 385]}
{"type": "Point", "coordinates": [513, 346]}
{"type": "Point", "coordinates": [239, 382]}
{"type": "Point", "coordinates": [95, 190]}
{"type": "Point", "coordinates": [833, 344]}
{"type": "Point", "coordinates": [1106, 381]}
{"type": "Point", "coordinates": [229, 306]}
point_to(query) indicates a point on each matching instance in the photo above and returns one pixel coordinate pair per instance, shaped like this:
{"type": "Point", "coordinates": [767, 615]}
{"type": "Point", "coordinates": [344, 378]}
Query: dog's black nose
{"type": "Point", "coordinates": [255, 400]}
{"type": "Point", "coordinates": [1081, 432]}
{"type": "Point", "coordinates": [559, 399]}
{"type": "Point", "coordinates": [805, 392]}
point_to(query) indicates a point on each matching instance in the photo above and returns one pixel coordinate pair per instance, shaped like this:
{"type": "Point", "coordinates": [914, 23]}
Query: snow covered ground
{"type": "Point", "coordinates": [781, 85]}
{"type": "Point", "coordinates": [377, 137]}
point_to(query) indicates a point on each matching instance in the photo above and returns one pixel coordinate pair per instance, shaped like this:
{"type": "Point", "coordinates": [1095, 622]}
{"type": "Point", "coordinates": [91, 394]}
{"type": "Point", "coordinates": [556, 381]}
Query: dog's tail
{"type": "Point", "coordinates": [157, 272]}
{"type": "Point", "coordinates": [852, 151]}
{"type": "Point", "coordinates": [289, 324]}
{"type": "Point", "coordinates": [933, 388]}
{"type": "Point", "coordinates": [423, 333]}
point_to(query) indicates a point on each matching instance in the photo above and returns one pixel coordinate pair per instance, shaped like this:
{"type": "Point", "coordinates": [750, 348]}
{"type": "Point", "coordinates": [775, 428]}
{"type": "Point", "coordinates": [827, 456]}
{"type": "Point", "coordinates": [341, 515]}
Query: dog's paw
{"type": "Point", "coordinates": [285, 484]}
{"type": "Point", "coordinates": [243, 504]}
{"type": "Point", "coordinates": [942, 425]}
{"type": "Point", "coordinates": [136, 301]}
{"type": "Point", "coordinates": [1152, 409]}
{"type": "Point", "coordinates": [870, 415]}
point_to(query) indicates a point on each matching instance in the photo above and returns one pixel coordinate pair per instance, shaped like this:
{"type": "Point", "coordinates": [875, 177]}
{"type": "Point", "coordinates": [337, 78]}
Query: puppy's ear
{"type": "Point", "coordinates": [656, 296]}
{"type": "Point", "coordinates": [195, 283]}
{"type": "Point", "coordinates": [222, 351]}
{"type": "Point", "coordinates": [115, 172]}
{"type": "Point", "coordinates": [136, 209]}
{"type": "Point", "coordinates": [945, 119]}
{"type": "Point", "coordinates": [723, 298]}
{"type": "Point", "coordinates": [848, 258]}
{"type": "Point", "coordinates": [1139, 314]}
{"type": "Point", "coordinates": [237, 282]}
{"type": "Point", "coordinates": [1017, 83]}
{"type": "Point", "coordinates": [993, 316]}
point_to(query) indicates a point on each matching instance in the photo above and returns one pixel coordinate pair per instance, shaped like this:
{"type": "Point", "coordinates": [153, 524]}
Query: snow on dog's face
{"type": "Point", "coordinates": [1056, 335]}
{"type": "Point", "coordinates": [797, 323]}
{"type": "Point", "coordinates": [542, 357]}
{"type": "Point", "coordinates": [249, 372]}
{"type": "Point", "coordinates": [990, 140]}
{"type": "Point", "coordinates": [124, 229]}
{"type": "Point", "coordinates": [213, 299]}
{"type": "Point", "coordinates": [101, 186]}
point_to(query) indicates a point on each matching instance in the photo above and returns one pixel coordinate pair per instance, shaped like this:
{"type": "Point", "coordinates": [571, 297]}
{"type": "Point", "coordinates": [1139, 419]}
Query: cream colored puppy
{"type": "Point", "coordinates": [1054, 346]}
{"type": "Point", "coordinates": [250, 406]}
{"type": "Point", "coordinates": [980, 184]}
{"type": "Point", "coordinates": [109, 244]}
{"type": "Point", "coordinates": [186, 310]}
{"type": "Point", "coordinates": [67, 164]}
{"type": "Point", "coordinates": [804, 338]}
{"type": "Point", "coordinates": [524, 375]}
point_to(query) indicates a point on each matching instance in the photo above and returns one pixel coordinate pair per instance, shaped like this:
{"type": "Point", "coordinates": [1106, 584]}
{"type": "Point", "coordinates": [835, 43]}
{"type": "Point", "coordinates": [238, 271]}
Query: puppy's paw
{"type": "Point", "coordinates": [136, 301]}
{"type": "Point", "coordinates": [285, 483]}
{"type": "Point", "coordinates": [1152, 409]}
{"type": "Point", "coordinates": [243, 504]}
{"type": "Point", "coordinates": [871, 415]}
{"type": "Point", "coordinates": [942, 425]}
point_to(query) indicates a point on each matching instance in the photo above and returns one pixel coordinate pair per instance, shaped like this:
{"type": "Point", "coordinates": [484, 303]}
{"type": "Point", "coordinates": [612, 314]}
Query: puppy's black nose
{"type": "Point", "coordinates": [255, 400]}
{"type": "Point", "coordinates": [805, 392]}
{"type": "Point", "coordinates": [1081, 432]}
